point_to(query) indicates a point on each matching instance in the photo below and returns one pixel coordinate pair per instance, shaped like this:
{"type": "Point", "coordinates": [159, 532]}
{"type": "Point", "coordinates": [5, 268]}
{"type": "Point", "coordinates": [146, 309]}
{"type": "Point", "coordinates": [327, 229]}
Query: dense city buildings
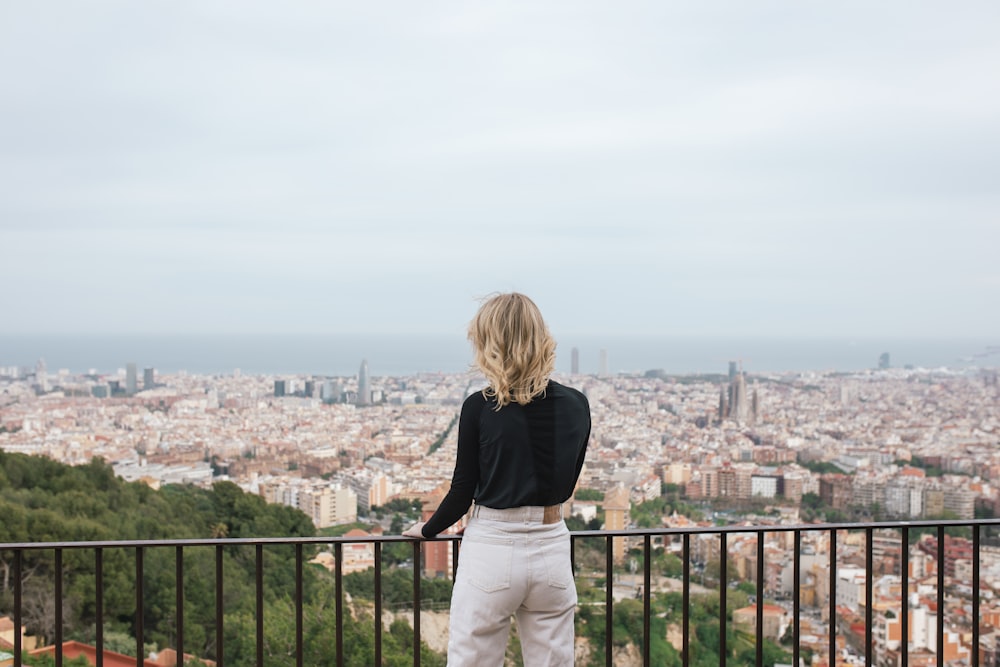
{"type": "Point", "coordinates": [764, 448]}
{"type": "Point", "coordinates": [899, 444]}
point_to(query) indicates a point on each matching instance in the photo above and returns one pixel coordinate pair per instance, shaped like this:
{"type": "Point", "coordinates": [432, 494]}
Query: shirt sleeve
{"type": "Point", "coordinates": [466, 477]}
{"type": "Point", "coordinates": [586, 441]}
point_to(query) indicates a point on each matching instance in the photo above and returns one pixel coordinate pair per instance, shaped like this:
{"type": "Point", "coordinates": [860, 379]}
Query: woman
{"type": "Point", "coordinates": [521, 444]}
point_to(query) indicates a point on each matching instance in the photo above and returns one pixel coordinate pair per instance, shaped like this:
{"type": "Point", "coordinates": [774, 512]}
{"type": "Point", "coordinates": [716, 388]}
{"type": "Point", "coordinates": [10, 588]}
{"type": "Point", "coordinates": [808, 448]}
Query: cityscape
{"type": "Point", "coordinates": [242, 243]}
{"type": "Point", "coordinates": [735, 448]}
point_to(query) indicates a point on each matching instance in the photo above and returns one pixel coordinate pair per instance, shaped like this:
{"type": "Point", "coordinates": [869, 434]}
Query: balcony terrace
{"type": "Point", "coordinates": [957, 591]}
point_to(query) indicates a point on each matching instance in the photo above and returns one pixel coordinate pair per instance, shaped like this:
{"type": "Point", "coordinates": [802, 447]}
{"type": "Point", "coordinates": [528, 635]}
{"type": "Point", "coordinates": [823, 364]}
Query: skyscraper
{"type": "Point", "coordinates": [148, 378]}
{"type": "Point", "coordinates": [364, 385]}
{"type": "Point", "coordinates": [574, 364]}
{"type": "Point", "coordinates": [883, 361]}
{"type": "Point", "coordinates": [42, 375]}
{"type": "Point", "coordinates": [279, 388]}
{"type": "Point", "coordinates": [131, 378]}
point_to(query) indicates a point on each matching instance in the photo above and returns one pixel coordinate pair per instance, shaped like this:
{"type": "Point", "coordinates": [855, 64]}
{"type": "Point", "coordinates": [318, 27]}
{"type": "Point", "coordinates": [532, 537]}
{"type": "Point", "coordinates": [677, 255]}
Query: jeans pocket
{"type": "Point", "coordinates": [558, 565]}
{"type": "Point", "coordinates": [486, 561]}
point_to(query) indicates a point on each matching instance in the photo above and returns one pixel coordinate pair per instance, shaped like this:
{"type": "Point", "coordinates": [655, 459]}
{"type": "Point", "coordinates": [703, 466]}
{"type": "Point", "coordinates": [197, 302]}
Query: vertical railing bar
{"type": "Point", "coordinates": [904, 582]}
{"type": "Point", "coordinates": [378, 603]}
{"type": "Point", "coordinates": [723, 578]}
{"type": "Point", "coordinates": [796, 591]}
{"type": "Point", "coordinates": [139, 629]}
{"type": "Point", "coordinates": [338, 553]}
{"type": "Point", "coordinates": [686, 603]}
{"type": "Point", "coordinates": [975, 596]}
{"type": "Point", "coordinates": [299, 604]}
{"type": "Point", "coordinates": [609, 600]}
{"type": "Point", "coordinates": [18, 621]}
{"type": "Point", "coordinates": [179, 576]}
{"type": "Point", "coordinates": [940, 597]}
{"type": "Point", "coordinates": [760, 600]}
{"type": "Point", "coordinates": [832, 602]}
{"type": "Point", "coordinates": [572, 552]}
{"type": "Point", "coordinates": [416, 603]}
{"type": "Point", "coordinates": [646, 576]}
{"type": "Point", "coordinates": [869, 581]}
{"type": "Point", "coordinates": [99, 603]}
{"type": "Point", "coordinates": [259, 576]}
{"type": "Point", "coordinates": [59, 606]}
{"type": "Point", "coordinates": [454, 546]}
{"type": "Point", "coordinates": [219, 619]}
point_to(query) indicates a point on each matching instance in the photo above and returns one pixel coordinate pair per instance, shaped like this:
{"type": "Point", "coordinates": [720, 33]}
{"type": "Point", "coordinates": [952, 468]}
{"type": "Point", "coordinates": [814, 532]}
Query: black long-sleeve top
{"type": "Point", "coordinates": [518, 455]}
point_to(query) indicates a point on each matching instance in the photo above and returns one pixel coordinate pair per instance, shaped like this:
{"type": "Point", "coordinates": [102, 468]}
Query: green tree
{"type": "Point", "coordinates": [589, 495]}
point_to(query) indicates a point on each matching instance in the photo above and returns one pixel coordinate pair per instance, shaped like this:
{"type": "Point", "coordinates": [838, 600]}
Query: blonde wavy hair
{"type": "Point", "coordinates": [513, 348]}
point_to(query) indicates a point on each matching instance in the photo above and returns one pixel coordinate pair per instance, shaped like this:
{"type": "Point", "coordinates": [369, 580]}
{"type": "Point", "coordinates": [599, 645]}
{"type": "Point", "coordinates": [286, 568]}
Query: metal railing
{"type": "Point", "coordinates": [140, 548]}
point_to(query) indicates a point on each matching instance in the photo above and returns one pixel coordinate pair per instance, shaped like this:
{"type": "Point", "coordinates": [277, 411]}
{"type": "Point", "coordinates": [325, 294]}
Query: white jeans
{"type": "Point", "coordinates": [520, 568]}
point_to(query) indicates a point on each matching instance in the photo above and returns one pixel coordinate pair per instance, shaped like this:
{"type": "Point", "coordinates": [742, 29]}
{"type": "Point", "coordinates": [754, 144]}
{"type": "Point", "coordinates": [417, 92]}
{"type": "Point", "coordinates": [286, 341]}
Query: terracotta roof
{"type": "Point", "coordinates": [74, 649]}
{"type": "Point", "coordinates": [768, 609]}
{"type": "Point", "coordinates": [357, 532]}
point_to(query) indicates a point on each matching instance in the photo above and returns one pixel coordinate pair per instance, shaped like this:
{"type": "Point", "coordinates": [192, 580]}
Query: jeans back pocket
{"type": "Point", "coordinates": [486, 562]}
{"type": "Point", "coordinates": [556, 556]}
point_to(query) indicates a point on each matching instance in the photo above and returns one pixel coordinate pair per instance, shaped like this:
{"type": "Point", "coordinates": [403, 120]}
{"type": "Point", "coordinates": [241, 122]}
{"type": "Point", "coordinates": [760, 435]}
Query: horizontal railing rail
{"type": "Point", "coordinates": [975, 528]}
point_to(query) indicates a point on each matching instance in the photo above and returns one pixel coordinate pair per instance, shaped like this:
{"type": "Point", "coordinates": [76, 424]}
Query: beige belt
{"type": "Point", "coordinates": [526, 514]}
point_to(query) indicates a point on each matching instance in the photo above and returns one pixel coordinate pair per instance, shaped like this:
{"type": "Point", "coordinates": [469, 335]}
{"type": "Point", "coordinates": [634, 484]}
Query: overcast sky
{"type": "Point", "coordinates": [751, 168]}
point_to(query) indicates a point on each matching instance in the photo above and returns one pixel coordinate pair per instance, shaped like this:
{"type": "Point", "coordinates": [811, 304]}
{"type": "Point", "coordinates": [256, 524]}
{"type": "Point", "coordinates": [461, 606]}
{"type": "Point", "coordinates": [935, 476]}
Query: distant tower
{"type": "Point", "coordinates": [732, 370]}
{"type": "Point", "coordinates": [723, 404]}
{"type": "Point", "coordinates": [364, 385]}
{"type": "Point", "coordinates": [738, 407]}
{"type": "Point", "coordinates": [279, 388]}
{"type": "Point", "coordinates": [742, 410]}
{"type": "Point", "coordinates": [754, 407]}
{"type": "Point", "coordinates": [574, 365]}
{"type": "Point", "coordinates": [131, 378]}
{"type": "Point", "coordinates": [883, 361]}
{"type": "Point", "coordinates": [148, 378]}
{"type": "Point", "coordinates": [42, 375]}
{"type": "Point", "coordinates": [602, 369]}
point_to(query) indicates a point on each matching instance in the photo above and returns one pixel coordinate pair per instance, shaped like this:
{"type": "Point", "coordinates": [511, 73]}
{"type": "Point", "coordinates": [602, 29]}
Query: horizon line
{"type": "Point", "coordinates": [461, 336]}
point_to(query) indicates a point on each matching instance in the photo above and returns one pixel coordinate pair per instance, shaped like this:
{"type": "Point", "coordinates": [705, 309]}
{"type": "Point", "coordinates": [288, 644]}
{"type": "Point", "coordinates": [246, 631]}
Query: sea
{"type": "Point", "coordinates": [340, 355]}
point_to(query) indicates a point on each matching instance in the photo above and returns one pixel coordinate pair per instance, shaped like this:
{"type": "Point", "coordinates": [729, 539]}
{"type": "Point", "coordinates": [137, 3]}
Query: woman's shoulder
{"type": "Point", "coordinates": [475, 400]}
{"type": "Point", "coordinates": [557, 389]}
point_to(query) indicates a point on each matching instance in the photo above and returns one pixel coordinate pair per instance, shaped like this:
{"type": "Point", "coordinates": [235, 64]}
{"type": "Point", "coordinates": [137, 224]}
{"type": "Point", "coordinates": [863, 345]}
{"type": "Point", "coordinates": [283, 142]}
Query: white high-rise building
{"type": "Point", "coordinates": [131, 378]}
{"type": "Point", "coordinates": [42, 375]}
{"type": "Point", "coordinates": [329, 506]}
{"type": "Point", "coordinates": [364, 385]}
